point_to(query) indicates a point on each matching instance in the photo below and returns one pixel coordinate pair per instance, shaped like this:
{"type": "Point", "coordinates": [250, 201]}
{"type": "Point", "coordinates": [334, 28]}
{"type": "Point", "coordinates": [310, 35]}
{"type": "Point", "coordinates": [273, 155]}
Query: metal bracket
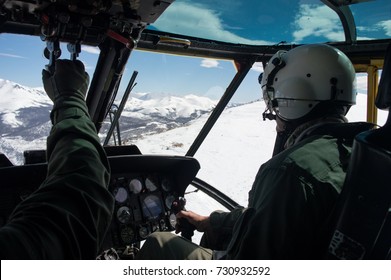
{"type": "Point", "coordinates": [52, 52]}
{"type": "Point", "coordinates": [74, 50]}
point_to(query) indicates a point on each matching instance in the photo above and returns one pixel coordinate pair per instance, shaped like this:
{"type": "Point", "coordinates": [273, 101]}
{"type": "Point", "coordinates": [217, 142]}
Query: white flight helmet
{"type": "Point", "coordinates": [295, 81]}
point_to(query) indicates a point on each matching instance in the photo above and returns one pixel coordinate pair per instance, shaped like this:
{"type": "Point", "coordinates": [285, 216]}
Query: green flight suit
{"type": "Point", "coordinates": [291, 198]}
{"type": "Point", "coordinates": [68, 215]}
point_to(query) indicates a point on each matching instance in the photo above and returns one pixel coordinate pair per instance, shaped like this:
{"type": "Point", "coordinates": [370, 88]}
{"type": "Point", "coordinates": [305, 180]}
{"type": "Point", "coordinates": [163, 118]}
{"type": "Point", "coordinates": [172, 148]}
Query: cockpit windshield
{"type": "Point", "coordinates": [262, 23]}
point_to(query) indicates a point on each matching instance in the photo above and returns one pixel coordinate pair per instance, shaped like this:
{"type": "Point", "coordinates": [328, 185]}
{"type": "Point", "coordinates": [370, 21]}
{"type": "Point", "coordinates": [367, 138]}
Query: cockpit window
{"type": "Point", "coordinates": [373, 19]}
{"type": "Point", "coordinates": [261, 23]}
{"type": "Point", "coordinates": [169, 92]}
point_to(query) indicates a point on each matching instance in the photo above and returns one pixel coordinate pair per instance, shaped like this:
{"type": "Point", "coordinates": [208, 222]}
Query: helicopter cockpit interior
{"type": "Point", "coordinates": [149, 189]}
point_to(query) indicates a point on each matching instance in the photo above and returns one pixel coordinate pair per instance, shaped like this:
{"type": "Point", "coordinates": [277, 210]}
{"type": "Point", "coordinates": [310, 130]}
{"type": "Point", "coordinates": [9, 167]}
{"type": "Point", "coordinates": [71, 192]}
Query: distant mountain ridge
{"type": "Point", "coordinates": [25, 123]}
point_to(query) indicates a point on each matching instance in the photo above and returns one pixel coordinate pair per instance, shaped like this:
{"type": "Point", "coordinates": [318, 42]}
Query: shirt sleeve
{"type": "Point", "coordinates": [219, 233]}
{"type": "Point", "coordinates": [223, 222]}
{"type": "Point", "coordinates": [68, 215]}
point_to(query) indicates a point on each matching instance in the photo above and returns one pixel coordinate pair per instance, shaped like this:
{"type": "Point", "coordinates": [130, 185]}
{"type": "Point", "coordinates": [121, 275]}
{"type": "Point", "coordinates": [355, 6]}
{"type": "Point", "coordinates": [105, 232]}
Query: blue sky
{"type": "Point", "coordinates": [21, 57]}
{"type": "Point", "coordinates": [22, 60]}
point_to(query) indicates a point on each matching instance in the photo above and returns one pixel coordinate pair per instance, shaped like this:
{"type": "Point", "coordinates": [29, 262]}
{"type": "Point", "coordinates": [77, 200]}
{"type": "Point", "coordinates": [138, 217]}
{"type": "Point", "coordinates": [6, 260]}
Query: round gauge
{"type": "Point", "coordinates": [150, 184]}
{"type": "Point", "coordinates": [162, 224]}
{"type": "Point", "coordinates": [135, 186]}
{"type": "Point", "coordinates": [143, 232]}
{"type": "Point", "coordinates": [152, 206]}
{"type": "Point", "coordinates": [167, 185]}
{"type": "Point", "coordinates": [124, 215]}
{"type": "Point", "coordinates": [120, 194]}
{"type": "Point", "coordinates": [172, 220]}
{"type": "Point", "coordinates": [127, 234]}
{"type": "Point", "coordinates": [169, 200]}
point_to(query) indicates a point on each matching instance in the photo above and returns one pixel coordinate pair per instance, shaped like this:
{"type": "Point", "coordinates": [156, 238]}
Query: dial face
{"type": "Point", "coordinates": [152, 206]}
{"type": "Point", "coordinates": [120, 194]}
{"type": "Point", "coordinates": [162, 224]}
{"type": "Point", "coordinates": [135, 186]}
{"type": "Point", "coordinates": [151, 184]}
{"type": "Point", "coordinates": [172, 220]}
{"type": "Point", "coordinates": [127, 234]}
{"type": "Point", "coordinates": [124, 215]}
{"type": "Point", "coordinates": [143, 232]}
{"type": "Point", "coordinates": [169, 200]}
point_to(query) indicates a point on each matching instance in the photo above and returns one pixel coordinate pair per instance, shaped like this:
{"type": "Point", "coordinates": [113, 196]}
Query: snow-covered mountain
{"type": "Point", "coordinates": [16, 102]}
{"type": "Point", "coordinates": [24, 116]}
{"type": "Point", "coordinates": [24, 119]}
{"type": "Point", "coordinates": [150, 114]}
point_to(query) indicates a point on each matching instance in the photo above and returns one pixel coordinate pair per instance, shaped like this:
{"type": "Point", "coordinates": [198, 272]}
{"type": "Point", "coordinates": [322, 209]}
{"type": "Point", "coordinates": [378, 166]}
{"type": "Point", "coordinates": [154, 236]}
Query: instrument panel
{"type": "Point", "coordinates": [144, 188]}
{"type": "Point", "coordinates": [142, 205]}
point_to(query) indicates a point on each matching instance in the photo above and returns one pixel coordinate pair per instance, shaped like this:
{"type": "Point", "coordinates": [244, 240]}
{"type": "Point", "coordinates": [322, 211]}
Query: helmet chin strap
{"type": "Point", "coordinates": [268, 114]}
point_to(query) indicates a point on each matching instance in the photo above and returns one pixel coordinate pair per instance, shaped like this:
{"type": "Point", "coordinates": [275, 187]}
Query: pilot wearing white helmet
{"type": "Point", "coordinates": [308, 91]}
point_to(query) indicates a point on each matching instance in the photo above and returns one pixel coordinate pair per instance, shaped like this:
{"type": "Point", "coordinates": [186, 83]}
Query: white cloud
{"type": "Point", "coordinates": [361, 83]}
{"type": "Point", "coordinates": [382, 26]}
{"type": "Point", "coordinates": [209, 63]}
{"type": "Point", "coordinates": [197, 20]}
{"type": "Point", "coordinates": [11, 55]}
{"type": "Point", "coordinates": [386, 25]}
{"type": "Point", "coordinates": [257, 67]}
{"type": "Point", "coordinates": [89, 49]}
{"type": "Point", "coordinates": [320, 21]}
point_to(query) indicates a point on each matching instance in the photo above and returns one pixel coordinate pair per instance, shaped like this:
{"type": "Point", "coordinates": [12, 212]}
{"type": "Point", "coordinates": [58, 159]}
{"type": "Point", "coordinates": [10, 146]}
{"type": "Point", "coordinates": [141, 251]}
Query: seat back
{"type": "Point", "coordinates": [363, 212]}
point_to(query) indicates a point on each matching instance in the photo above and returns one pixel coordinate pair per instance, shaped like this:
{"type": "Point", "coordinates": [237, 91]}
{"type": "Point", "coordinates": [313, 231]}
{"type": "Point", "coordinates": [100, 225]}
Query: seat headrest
{"type": "Point", "coordinates": [383, 98]}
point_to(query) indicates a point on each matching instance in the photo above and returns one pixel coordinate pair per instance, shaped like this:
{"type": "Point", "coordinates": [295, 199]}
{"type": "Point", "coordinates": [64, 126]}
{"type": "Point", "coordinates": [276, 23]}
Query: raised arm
{"type": "Point", "coordinates": [68, 216]}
